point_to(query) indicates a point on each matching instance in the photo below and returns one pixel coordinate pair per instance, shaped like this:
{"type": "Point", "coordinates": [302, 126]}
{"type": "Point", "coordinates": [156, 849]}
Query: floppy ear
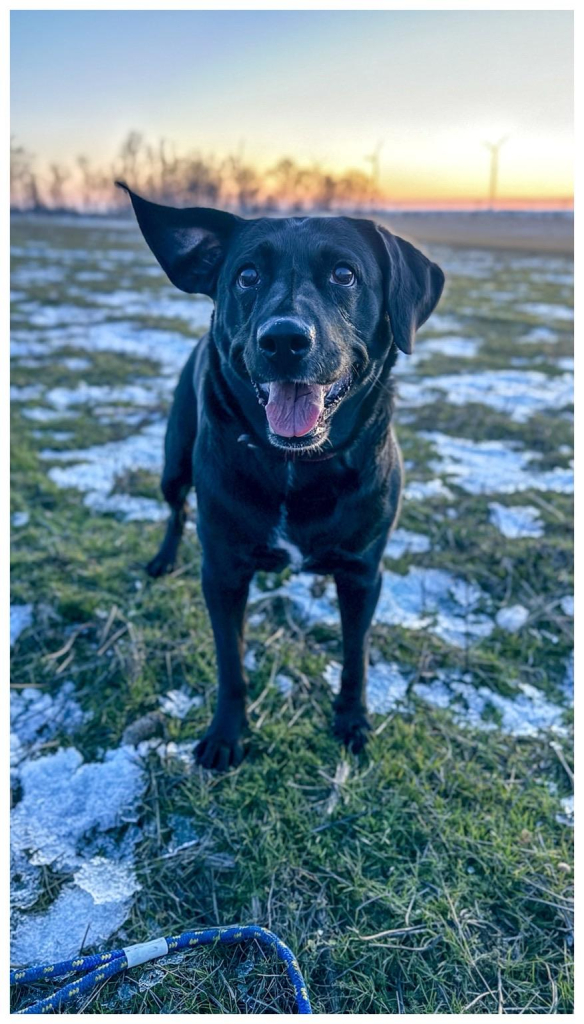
{"type": "Point", "coordinates": [189, 244]}
{"type": "Point", "coordinates": [413, 288]}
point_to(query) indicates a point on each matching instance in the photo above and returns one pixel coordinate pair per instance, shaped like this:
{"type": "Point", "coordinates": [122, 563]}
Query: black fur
{"type": "Point", "coordinates": [337, 488]}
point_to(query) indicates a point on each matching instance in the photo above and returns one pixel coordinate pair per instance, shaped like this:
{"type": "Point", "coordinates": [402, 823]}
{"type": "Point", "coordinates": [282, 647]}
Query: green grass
{"type": "Point", "coordinates": [429, 876]}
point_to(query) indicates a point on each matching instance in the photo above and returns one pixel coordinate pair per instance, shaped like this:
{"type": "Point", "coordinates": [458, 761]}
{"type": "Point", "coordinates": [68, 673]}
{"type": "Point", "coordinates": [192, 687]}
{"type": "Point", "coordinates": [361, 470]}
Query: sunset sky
{"type": "Point", "coordinates": [318, 86]}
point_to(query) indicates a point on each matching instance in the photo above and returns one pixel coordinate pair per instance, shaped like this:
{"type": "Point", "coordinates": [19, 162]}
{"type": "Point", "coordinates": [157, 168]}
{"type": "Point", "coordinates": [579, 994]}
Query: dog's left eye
{"type": "Point", "coordinates": [343, 275]}
{"type": "Point", "coordinates": [248, 276]}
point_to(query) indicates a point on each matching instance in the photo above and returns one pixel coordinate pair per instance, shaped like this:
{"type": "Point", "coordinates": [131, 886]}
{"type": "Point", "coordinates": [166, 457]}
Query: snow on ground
{"type": "Point", "coordinates": [517, 393]}
{"type": "Point", "coordinates": [69, 817]}
{"type": "Point", "coordinates": [494, 467]}
{"type": "Point", "coordinates": [516, 521]}
{"type": "Point", "coordinates": [20, 619]}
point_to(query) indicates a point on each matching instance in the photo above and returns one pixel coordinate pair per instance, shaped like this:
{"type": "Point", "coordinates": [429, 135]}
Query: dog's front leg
{"type": "Point", "coordinates": [357, 600]}
{"type": "Point", "coordinates": [226, 593]}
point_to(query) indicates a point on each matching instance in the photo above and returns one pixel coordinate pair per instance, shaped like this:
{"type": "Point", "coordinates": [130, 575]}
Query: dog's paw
{"type": "Point", "coordinates": [160, 565]}
{"type": "Point", "coordinates": [218, 751]}
{"type": "Point", "coordinates": [352, 727]}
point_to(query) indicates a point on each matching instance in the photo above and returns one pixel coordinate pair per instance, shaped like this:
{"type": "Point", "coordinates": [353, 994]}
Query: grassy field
{"type": "Point", "coordinates": [433, 874]}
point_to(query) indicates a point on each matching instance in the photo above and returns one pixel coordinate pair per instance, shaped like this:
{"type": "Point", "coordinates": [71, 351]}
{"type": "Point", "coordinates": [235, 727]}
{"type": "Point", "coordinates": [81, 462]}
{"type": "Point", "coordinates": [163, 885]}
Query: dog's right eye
{"type": "Point", "coordinates": [248, 277]}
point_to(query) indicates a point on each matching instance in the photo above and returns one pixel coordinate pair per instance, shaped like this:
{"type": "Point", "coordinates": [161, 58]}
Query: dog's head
{"type": "Point", "coordinates": [307, 310]}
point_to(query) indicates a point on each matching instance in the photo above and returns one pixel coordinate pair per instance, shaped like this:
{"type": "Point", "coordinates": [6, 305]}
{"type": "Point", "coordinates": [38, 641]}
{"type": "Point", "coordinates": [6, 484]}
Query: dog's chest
{"type": "Point", "coordinates": [281, 539]}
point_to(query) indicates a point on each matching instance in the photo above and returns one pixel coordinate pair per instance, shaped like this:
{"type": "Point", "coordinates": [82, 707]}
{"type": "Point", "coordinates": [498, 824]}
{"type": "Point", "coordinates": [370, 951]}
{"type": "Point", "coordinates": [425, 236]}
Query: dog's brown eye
{"type": "Point", "coordinates": [343, 275]}
{"type": "Point", "coordinates": [248, 277]}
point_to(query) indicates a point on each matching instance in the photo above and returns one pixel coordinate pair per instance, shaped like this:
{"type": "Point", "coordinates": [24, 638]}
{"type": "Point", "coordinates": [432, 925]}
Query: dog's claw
{"type": "Point", "coordinates": [219, 753]}
{"type": "Point", "coordinates": [352, 728]}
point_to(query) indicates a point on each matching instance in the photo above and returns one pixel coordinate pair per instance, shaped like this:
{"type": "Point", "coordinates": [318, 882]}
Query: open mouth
{"type": "Point", "coordinates": [297, 409]}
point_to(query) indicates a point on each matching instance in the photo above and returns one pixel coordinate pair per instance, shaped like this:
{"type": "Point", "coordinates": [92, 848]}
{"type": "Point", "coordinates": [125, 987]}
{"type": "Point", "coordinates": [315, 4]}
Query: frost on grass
{"type": "Point", "coordinates": [491, 467]}
{"type": "Point", "coordinates": [515, 521]}
{"type": "Point", "coordinates": [20, 619]}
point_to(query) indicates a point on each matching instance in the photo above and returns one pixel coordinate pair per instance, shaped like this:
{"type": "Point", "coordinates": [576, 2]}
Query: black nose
{"type": "Point", "coordinates": [285, 339]}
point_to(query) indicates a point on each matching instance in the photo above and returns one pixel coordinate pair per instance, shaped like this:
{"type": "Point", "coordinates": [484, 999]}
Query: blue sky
{"type": "Point", "coordinates": [324, 85]}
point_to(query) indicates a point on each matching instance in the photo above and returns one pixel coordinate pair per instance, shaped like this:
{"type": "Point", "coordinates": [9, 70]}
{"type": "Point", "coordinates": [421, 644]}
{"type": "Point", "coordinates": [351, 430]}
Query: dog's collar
{"type": "Point", "coordinates": [286, 456]}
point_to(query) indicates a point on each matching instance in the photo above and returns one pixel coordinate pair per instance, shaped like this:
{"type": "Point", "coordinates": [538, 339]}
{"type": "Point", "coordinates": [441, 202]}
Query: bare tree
{"type": "Point", "coordinates": [159, 171]}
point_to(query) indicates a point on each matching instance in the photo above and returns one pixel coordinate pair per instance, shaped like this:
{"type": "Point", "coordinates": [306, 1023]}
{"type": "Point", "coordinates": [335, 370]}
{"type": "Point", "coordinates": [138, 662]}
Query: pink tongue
{"type": "Point", "coordinates": [294, 409]}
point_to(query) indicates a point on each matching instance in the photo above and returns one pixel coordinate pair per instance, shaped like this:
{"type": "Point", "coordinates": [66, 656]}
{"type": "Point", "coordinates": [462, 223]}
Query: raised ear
{"type": "Point", "coordinates": [413, 288]}
{"type": "Point", "coordinates": [189, 244]}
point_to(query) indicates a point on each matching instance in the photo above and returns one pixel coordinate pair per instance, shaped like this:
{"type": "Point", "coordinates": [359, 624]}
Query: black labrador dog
{"type": "Point", "coordinates": [282, 421]}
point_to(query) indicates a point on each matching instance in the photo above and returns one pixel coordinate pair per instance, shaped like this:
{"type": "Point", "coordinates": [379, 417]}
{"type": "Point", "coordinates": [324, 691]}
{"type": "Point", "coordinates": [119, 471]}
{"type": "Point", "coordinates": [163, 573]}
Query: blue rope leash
{"type": "Point", "coordinates": [100, 966]}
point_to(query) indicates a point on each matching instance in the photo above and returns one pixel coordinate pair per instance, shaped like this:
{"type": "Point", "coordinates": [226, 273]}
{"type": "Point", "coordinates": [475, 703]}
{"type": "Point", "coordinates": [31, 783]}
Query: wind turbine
{"type": "Point", "coordinates": [494, 148]}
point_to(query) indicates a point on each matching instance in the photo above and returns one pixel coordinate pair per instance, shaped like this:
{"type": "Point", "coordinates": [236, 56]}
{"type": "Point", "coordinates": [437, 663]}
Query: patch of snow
{"type": "Point", "coordinates": [567, 605]}
{"type": "Point", "coordinates": [28, 393]}
{"type": "Point", "coordinates": [283, 683]}
{"type": "Point", "coordinates": [517, 393]}
{"type": "Point", "coordinates": [96, 470]}
{"type": "Point", "coordinates": [36, 716]}
{"type": "Point", "coordinates": [537, 335]}
{"type": "Point", "coordinates": [20, 519]}
{"type": "Point", "coordinates": [436, 601]}
{"type": "Point", "coordinates": [490, 467]}
{"type": "Point", "coordinates": [65, 799]}
{"type": "Point", "coordinates": [73, 923]}
{"type": "Point", "coordinates": [429, 599]}
{"type": "Point", "coordinates": [567, 815]}
{"type": "Point", "coordinates": [386, 685]}
{"type": "Point", "coordinates": [525, 714]}
{"type": "Point", "coordinates": [106, 881]}
{"type": "Point", "coordinates": [177, 703]}
{"type": "Point", "coordinates": [405, 542]}
{"type": "Point", "coordinates": [512, 618]}
{"type": "Point", "coordinates": [76, 364]}
{"type": "Point", "coordinates": [454, 346]}
{"type": "Point", "coordinates": [516, 521]}
{"type": "Point", "coordinates": [548, 310]}
{"type": "Point", "coordinates": [20, 619]}
{"type": "Point", "coordinates": [250, 661]}
{"type": "Point", "coordinates": [94, 394]}
{"type": "Point", "coordinates": [440, 323]}
{"type": "Point", "coordinates": [39, 414]}
{"type": "Point", "coordinates": [419, 490]}
{"type": "Point", "coordinates": [133, 508]}
{"type": "Point", "coordinates": [64, 818]}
